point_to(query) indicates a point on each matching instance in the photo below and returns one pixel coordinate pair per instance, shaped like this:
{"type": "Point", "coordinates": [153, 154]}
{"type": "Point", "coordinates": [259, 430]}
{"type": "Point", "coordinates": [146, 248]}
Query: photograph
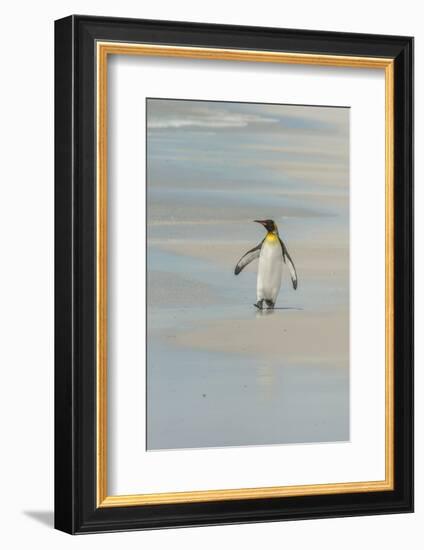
{"type": "Point", "coordinates": [247, 274]}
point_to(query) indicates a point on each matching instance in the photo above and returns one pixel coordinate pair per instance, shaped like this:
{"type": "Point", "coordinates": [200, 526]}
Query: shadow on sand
{"type": "Point", "coordinates": [263, 312]}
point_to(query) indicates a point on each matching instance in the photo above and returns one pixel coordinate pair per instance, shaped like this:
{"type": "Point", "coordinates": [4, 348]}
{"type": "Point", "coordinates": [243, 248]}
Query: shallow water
{"type": "Point", "coordinates": [201, 399]}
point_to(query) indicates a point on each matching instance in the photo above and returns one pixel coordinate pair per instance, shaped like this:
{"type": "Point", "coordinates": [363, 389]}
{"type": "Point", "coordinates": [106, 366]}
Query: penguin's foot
{"type": "Point", "coordinates": [270, 304]}
{"type": "Point", "coordinates": [259, 304]}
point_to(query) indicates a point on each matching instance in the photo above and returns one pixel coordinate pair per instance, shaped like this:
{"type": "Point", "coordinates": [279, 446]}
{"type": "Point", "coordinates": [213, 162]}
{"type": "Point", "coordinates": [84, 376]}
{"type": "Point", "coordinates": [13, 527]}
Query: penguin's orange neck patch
{"type": "Point", "coordinates": [271, 237]}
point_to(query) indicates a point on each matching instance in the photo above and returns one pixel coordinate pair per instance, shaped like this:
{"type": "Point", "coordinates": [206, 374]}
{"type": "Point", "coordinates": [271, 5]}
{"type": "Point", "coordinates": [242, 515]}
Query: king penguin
{"type": "Point", "coordinates": [272, 252]}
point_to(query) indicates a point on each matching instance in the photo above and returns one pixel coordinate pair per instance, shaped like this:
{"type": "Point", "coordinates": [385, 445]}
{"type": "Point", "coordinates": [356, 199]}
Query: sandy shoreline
{"type": "Point", "coordinates": [309, 260]}
{"type": "Point", "coordinates": [289, 335]}
{"type": "Point", "coordinates": [304, 335]}
{"type": "Point", "coordinates": [219, 372]}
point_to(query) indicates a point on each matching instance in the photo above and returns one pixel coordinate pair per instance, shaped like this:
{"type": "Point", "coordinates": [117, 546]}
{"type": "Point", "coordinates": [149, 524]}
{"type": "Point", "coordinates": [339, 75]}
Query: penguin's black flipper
{"type": "Point", "coordinates": [247, 258]}
{"type": "Point", "coordinates": [289, 261]}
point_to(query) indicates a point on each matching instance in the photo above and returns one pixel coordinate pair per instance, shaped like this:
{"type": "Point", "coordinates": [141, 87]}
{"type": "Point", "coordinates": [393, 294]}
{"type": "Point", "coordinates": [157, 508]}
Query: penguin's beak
{"type": "Point", "coordinates": [262, 222]}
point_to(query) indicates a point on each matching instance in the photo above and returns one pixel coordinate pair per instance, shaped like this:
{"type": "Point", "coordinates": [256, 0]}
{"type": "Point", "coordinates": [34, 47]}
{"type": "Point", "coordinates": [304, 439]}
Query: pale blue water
{"type": "Point", "coordinates": [199, 399]}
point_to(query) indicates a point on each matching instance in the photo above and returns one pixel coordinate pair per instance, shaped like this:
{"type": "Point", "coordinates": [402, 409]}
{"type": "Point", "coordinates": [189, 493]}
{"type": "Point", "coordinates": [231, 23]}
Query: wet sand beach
{"type": "Point", "coordinates": [220, 372]}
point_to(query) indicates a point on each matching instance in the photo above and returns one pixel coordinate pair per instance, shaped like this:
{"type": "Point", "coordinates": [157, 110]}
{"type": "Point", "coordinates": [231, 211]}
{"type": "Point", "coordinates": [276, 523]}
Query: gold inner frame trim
{"type": "Point", "coordinates": [103, 50]}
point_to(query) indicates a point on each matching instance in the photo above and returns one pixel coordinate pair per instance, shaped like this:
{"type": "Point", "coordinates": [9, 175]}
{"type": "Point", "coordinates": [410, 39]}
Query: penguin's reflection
{"type": "Point", "coordinates": [264, 312]}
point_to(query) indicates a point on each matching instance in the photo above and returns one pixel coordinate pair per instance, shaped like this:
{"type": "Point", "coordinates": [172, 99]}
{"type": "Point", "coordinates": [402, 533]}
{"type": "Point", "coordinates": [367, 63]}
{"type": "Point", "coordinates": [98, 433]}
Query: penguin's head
{"type": "Point", "coordinates": [269, 225]}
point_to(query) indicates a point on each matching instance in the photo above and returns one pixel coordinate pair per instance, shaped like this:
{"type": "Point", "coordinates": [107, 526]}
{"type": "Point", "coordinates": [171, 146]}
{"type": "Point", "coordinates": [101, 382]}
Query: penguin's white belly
{"type": "Point", "coordinates": [269, 271]}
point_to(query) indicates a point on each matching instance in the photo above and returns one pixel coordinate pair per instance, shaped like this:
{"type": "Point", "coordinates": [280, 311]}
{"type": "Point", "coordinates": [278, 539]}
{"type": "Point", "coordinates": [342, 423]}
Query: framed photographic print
{"type": "Point", "coordinates": [234, 274]}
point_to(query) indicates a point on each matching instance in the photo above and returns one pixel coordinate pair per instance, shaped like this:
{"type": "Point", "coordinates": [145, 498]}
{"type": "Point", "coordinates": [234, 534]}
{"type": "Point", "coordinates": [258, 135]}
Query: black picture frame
{"type": "Point", "coordinates": [76, 510]}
